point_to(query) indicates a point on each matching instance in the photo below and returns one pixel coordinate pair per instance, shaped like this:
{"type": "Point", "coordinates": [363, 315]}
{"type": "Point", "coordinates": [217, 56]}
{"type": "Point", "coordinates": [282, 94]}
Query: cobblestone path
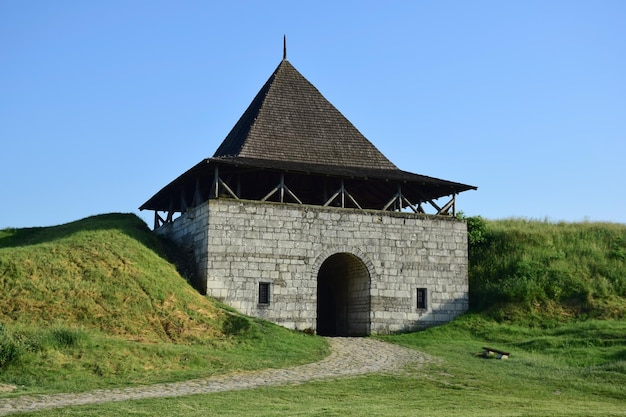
{"type": "Point", "coordinates": [349, 356]}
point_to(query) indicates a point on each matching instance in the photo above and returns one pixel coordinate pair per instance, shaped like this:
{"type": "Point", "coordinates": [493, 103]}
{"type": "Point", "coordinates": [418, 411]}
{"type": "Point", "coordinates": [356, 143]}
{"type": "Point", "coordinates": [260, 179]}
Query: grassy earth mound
{"type": "Point", "coordinates": [527, 271]}
{"type": "Point", "coordinates": [95, 303]}
{"type": "Point", "coordinates": [105, 272]}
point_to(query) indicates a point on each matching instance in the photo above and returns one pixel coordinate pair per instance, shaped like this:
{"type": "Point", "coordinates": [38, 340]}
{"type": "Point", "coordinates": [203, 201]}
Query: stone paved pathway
{"type": "Point", "coordinates": [349, 357]}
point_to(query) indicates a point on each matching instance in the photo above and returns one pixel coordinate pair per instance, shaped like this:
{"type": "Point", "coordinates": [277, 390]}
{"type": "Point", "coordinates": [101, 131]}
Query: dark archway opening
{"type": "Point", "coordinates": [343, 297]}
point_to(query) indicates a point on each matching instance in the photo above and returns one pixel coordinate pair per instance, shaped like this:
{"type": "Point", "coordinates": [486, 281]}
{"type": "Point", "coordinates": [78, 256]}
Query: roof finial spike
{"type": "Point", "coordinates": [284, 47]}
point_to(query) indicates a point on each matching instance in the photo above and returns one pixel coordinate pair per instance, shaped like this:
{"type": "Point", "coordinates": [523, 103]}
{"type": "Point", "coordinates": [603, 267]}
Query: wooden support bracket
{"type": "Point", "coordinates": [282, 188]}
{"type": "Point", "coordinates": [343, 193]}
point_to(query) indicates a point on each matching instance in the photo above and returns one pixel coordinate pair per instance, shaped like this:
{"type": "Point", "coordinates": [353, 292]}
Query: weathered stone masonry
{"type": "Point", "coordinates": [385, 256]}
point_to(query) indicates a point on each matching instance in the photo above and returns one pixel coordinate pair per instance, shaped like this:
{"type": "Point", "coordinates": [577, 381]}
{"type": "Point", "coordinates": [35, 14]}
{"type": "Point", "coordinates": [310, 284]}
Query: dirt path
{"type": "Point", "coordinates": [349, 356]}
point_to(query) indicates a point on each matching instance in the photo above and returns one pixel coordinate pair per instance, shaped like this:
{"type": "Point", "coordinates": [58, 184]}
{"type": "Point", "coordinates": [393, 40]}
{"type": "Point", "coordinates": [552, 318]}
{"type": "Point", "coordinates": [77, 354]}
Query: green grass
{"type": "Point", "coordinates": [106, 273]}
{"type": "Point", "coordinates": [94, 304]}
{"type": "Point", "coordinates": [101, 361]}
{"type": "Point", "coordinates": [577, 369]}
{"type": "Point", "coordinates": [535, 271]}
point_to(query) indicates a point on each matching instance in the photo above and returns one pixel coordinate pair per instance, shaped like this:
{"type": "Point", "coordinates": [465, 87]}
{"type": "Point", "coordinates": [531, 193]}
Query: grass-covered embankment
{"type": "Point", "coordinates": [532, 272]}
{"type": "Point", "coordinates": [95, 303]}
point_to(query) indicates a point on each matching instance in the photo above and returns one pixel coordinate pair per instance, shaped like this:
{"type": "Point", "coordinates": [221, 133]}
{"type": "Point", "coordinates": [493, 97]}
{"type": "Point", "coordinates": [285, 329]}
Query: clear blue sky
{"type": "Point", "coordinates": [102, 103]}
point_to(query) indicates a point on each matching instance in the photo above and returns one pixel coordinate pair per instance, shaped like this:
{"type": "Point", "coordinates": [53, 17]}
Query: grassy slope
{"type": "Point", "coordinates": [532, 271]}
{"type": "Point", "coordinates": [106, 273]}
{"type": "Point", "coordinates": [94, 303]}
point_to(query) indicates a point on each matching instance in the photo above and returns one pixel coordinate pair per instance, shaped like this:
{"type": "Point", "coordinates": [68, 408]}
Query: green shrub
{"type": "Point", "coordinates": [476, 230]}
{"type": "Point", "coordinates": [9, 349]}
{"type": "Point", "coordinates": [67, 338]}
{"type": "Point", "coordinates": [9, 352]}
{"type": "Point", "coordinates": [238, 325]}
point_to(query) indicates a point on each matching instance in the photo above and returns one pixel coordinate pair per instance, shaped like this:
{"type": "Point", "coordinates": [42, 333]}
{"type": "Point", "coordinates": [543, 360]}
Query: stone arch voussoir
{"type": "Point", "coordinates": [317, 264]}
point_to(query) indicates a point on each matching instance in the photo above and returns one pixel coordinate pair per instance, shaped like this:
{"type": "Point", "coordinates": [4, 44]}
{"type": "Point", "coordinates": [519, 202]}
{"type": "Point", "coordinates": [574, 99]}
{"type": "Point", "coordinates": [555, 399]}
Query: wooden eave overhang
{"type": "Point", "coordinates": [372, 188]}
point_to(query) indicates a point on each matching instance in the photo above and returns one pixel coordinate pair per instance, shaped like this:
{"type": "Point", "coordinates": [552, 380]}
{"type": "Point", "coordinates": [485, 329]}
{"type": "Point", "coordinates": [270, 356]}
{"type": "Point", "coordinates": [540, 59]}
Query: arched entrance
{"type": "Point", "coordinates": [343, 296]}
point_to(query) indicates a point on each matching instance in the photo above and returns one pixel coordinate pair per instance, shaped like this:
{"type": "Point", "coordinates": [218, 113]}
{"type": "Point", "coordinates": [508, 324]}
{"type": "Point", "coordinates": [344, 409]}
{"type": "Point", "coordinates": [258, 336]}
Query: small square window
{"type": "Point", "coordinates": [264, 293]}
{"type": "Point", "coordinates": [421, 298]}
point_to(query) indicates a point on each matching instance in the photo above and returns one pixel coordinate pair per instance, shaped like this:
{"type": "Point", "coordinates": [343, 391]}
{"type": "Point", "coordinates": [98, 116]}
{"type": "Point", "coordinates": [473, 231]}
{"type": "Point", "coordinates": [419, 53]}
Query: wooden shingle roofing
{"type": "Point", "coordinates": [289, 120]}
{"type": "Point", "coordinates": [289, 127]}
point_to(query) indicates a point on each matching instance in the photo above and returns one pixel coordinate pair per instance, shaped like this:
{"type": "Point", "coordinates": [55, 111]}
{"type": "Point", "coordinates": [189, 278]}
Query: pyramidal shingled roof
{"type": "Point", "coordinates": [289, 120]}
{"type": "Point", "coordinates": [291, 128]}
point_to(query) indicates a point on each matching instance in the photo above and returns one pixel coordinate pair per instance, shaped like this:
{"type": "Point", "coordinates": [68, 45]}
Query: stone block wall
{"type": "Point", "coordinates": [239, 244]}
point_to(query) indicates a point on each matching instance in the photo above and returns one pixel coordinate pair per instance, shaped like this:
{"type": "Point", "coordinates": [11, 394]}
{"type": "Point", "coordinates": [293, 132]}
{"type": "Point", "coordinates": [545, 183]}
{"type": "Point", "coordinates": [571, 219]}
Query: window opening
{"type": "Point", "coordinates": [421, 298]}
{"type": "Point", "coordinates": [264, 293]}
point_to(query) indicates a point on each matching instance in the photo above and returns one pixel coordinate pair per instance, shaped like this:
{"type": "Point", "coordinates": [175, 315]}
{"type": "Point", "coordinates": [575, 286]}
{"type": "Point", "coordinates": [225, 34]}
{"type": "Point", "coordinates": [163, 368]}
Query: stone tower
{"type": "Point", "coordinates": [298, 218]}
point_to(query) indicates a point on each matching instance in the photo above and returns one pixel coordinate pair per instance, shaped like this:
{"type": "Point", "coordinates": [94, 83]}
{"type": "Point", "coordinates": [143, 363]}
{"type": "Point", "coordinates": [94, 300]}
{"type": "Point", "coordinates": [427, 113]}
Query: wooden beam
{"type": "Point", "coordinates": [183, 202]}
{"type": "Point", "coordinates": [354, 201]}
{"type": "Point", "coordinates": [283, 189]}
{"type": "Point", "coordinates": [157, 220]}
{"type": "Point", "coordinates": [331, 199]}
{"type": "Point", "coordinates": [393, 200]}
{"type": "Point", "coordinates": [197, 195]}
{"type": "Point", "coordinates": [343, 193]}
{"type": "Point", "coordinates": [410, 204]}
{"type": "Point", "coordinates": [170, 212]}
{"type": "Point", "coordinates": [432, 203]}
{"type": "Point", "coordinates": [292, 195]}
{"type": "Point", "coordinates": [446, 208]}
{"type": "Point", "coordinates": [271, 193]}
{"type": "Point", "coordinates": [223, 184]}
{"type": "Point", "coordinates": [216, 182]}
